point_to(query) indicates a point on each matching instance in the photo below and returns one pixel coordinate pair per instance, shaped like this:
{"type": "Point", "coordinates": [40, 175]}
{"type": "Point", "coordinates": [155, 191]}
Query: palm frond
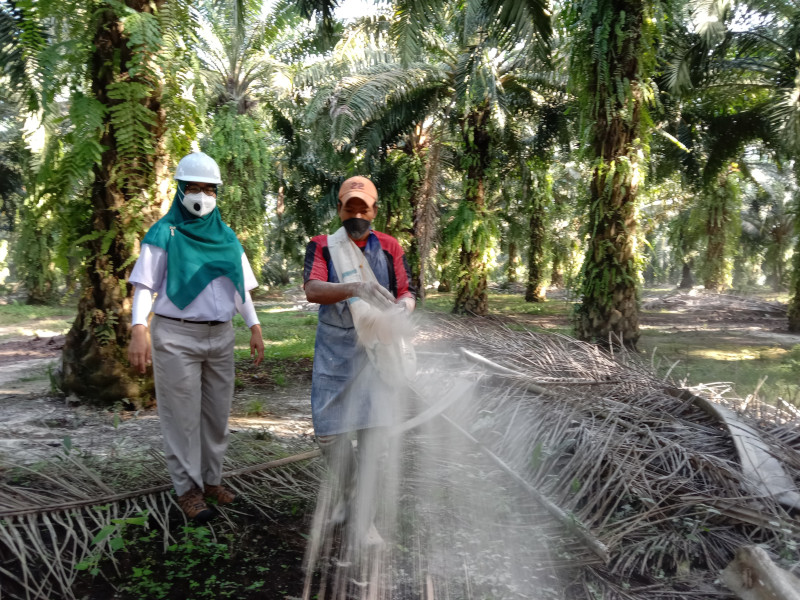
{"type": "Point", "coordinates": [60, 518]}
{"type": "Point", "coordinates": [360, 99]}
{"type": "Point", "coordinates": [397, 119]}
{"type": "Point", "coordinates": [727, 135]}
{"type": "Point", "coordinates": [710, 18]}
{"type": "Point", "coordinates": [323, 10]}
{"type": "Point", "coordinates": [22, 38]}
{"type": "Point", "coordinates": [785, 116]}
{"type": "Point", "coordinates": [527, 21]}
{"type": "Point", "coordinates": [411, 20]}
{"type": "Point", "coordinates": [647, 468]}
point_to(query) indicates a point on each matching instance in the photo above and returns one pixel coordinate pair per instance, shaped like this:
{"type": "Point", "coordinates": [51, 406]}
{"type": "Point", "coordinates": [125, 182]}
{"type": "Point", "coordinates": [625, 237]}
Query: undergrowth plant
{"type": "Point", "coordinates": [188, 569]}
{"type": "Point", "coordinates": [197, 565]}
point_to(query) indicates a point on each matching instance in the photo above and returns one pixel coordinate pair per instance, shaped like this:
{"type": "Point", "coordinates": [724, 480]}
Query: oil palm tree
{"type": "Point", "coordinates": [101, 171]}
{"type": "Point", "coordinates": [768, 221]}
{"type": "Point", "coordinates": [749, 50]}
{"type": "Point", "coordinates": [614, 51]}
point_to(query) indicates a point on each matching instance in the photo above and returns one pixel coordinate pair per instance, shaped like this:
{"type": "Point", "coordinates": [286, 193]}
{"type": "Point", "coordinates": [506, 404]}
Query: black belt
{"type": "Point", "coordinates": [193, 322]}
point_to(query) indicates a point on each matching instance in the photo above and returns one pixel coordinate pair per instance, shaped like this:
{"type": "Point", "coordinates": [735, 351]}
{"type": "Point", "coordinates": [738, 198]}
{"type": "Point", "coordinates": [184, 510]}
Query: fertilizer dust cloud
{"type": "Point", "coordinates": [418, 510]}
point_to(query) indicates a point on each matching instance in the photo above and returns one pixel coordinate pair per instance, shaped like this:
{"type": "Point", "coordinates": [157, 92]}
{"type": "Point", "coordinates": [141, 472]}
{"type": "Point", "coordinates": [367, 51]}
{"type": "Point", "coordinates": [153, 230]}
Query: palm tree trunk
{"type": "Point", "coordinates": [610, 304]}
{"type": "Point", "coordinates": [794, 301]}
{"type": "Point", "coordinates": [93, 361]}
{"type": "Point", "coordinates": [541, 191]}
{"type": "Point", "coordinates": [557, 273]}
{"type": "Point", "coordinates": [722, 223]}
{"type": "Point", "coordinates": [427, 153]}
{"type": "Point", "coordinates": [511, 266]}
{"type": "Point", "coordinates": [687, 281]}
{"type": "Point", "coordinates": [33, 253]}
{"type": "Point", "coordinates": [714, 267]}
{"type": "Point", "coordinates": [471, 287]}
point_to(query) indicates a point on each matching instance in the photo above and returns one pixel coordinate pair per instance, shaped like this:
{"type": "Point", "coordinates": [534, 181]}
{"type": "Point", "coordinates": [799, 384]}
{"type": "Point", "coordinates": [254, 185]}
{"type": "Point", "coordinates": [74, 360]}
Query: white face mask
{"type": "Point", "coordinates": [199, 204]}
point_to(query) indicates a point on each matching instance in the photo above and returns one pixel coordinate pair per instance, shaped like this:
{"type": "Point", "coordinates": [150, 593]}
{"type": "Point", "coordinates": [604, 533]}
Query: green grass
{"type": "Point", "coordinates": [288, 334]}
{"type": "Point", "coordinates": [48, 316]}
{"type": "Point", "coordinates": [502, 304]}
{"type": "Point", "coordinates": [719, 357]}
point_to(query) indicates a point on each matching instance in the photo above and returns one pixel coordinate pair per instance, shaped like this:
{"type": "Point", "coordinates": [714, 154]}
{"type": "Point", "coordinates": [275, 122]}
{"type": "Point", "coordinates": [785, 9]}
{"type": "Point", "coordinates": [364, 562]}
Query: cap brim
{"type": "Point", "coordinates": [357, 194]}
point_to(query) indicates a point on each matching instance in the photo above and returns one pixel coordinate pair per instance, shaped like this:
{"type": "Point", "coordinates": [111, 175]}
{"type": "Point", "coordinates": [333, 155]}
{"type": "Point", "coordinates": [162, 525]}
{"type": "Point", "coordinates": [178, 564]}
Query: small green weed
{"type": "Point", "coordinates": [111, 534]}
{"type": "Point", "coordinates": [194, 567]}
{"type": "Point", "coordinates": [255, 408]}
{"type": "Point", "coordinates": [279, 377]}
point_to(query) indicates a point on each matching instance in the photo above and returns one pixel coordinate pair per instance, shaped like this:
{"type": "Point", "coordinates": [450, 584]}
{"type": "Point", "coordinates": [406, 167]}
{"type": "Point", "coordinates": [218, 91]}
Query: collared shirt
{"type": "Point", "coordinates": [217, 301]}
{"type": "Point", "coordinates": [318, 263]}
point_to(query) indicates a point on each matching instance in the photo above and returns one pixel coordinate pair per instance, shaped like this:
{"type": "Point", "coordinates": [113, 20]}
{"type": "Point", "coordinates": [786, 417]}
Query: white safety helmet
{"type": "Point", "coordinates": [199, 167]}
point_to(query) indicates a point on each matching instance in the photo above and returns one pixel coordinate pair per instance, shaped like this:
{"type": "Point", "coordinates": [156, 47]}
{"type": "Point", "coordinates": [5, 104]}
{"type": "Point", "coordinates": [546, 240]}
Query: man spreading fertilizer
{"type": "Point", "coordinates": [360, 278]}
{"type": "Point", "coordinates": [200, 274]}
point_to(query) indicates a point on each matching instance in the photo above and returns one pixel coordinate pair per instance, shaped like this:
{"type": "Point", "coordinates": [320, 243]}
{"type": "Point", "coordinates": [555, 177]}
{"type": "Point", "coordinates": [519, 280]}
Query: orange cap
{"type": "Point", "coordinates": [358, 187]}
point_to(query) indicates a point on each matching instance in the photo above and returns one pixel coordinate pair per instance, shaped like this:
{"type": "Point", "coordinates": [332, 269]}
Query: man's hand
{"type": "Point", "coordinates": [139, 349]}
{"type": "Point", "coordinates": [256, 344]}
{"type": "Point", "coordinates": [407, 302]}
{"type": "Point", "coordinates": [374, 294]}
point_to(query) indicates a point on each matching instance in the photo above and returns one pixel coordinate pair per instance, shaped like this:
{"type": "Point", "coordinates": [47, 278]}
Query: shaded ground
{"type": "Point", "coordinates": [694, 310]}
{"type": "Point", "coordinates": [30, 349]}
{"type": "Point", "coordinates": [264, 560]}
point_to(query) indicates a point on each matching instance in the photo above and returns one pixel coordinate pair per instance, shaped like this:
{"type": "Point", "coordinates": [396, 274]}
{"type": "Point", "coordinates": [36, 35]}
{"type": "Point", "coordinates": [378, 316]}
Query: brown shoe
{"type": "Point", "coordinates": [219, 493]}
{"type": "Point", "coordinates": [194, 506]}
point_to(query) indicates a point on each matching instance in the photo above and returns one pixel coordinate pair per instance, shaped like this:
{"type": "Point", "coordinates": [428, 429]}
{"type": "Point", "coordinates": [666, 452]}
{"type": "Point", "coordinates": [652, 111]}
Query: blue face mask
{"type": "Point", "coordinates": [356, 228]}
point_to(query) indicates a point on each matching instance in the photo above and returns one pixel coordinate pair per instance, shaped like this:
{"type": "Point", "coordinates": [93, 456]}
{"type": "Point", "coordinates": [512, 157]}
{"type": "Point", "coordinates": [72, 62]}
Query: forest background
{"type": "Point", "coordinates": [588, 145]}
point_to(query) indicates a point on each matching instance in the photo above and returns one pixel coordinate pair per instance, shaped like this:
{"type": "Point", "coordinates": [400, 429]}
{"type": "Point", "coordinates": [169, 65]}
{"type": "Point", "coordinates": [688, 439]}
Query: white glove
{"type": "Point", "coordinates": [374, 294]}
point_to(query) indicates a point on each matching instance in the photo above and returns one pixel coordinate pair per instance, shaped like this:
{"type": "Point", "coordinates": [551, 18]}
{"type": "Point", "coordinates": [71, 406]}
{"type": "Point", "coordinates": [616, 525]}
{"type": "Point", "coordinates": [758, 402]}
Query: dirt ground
{"type": "Point", "coordinates": [748, 318]}
{"type": "Point", "coordinates": [36, 421]}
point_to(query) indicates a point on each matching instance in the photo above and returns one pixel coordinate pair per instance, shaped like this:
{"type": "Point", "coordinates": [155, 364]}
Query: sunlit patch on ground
{"type": "Point", "coordinates": [753, 353]}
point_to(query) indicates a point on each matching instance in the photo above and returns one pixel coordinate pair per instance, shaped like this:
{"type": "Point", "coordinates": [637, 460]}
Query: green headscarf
{"type": "Point", "coordinates": [199, 249]}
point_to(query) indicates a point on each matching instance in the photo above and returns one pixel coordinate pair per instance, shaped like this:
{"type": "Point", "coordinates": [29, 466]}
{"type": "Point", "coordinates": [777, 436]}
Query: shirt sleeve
{"type": "Point", "coordinates": [142, 305]}
{"type": "Point", "coordinates": [246, 309]}
{"type": "Point", "coordinates": [403, 275]}
{"type": "Point", "coordinates": [250, 281]}
{"type": "Point", "coordinates": [315, 265]}
{"type": "Point", "coordinates": [150, 268]}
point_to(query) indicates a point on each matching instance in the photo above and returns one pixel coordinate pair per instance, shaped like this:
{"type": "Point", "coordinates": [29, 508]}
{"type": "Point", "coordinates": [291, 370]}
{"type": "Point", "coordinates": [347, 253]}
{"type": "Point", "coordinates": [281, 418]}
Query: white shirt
{"type": "Point", "coordinates": [218, 301]}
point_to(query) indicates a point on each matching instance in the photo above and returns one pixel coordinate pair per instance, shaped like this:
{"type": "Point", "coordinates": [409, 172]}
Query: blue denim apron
{"type": "Point", "coordinates": [347, 392]}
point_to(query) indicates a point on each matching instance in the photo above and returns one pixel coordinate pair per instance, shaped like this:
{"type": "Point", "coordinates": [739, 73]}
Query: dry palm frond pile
{"type": "Point", "coordinates": [719, 305]}
{"type": "Point", "coordinates": [649, 472]}
{"type": "Point", "coordinates": [60, 516]}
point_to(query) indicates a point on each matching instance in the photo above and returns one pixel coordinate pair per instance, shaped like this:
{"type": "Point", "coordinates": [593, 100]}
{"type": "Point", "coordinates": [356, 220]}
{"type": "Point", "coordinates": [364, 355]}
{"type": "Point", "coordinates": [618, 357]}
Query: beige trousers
{"type": "Point", "coordinates": [193, 369]}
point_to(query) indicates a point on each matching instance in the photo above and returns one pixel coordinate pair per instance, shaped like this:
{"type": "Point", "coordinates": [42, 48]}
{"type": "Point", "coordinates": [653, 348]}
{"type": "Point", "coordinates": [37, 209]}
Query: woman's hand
{"type": "Point", "coordinates": [139, 349]}
{"type": "Point", "coordinates": [256, 344]}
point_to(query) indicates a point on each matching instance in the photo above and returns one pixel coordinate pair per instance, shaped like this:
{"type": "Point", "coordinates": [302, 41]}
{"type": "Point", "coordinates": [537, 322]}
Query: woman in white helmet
{"type": "Point", "coordinates": [199, 273]}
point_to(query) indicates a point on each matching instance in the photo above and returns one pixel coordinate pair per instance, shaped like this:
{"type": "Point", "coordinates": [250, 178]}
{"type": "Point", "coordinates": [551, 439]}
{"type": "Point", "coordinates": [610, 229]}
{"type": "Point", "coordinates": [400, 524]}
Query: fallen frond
{"type": "Point", "coordinates": [60, 518]}
{"type": "Point", "coordinates": [656, 475]}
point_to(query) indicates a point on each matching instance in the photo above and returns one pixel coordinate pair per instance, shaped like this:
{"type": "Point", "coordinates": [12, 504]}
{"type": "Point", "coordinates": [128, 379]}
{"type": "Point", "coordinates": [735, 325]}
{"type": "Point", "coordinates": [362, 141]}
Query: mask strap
{"type": "Point", "coordinates": [181, 190]}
